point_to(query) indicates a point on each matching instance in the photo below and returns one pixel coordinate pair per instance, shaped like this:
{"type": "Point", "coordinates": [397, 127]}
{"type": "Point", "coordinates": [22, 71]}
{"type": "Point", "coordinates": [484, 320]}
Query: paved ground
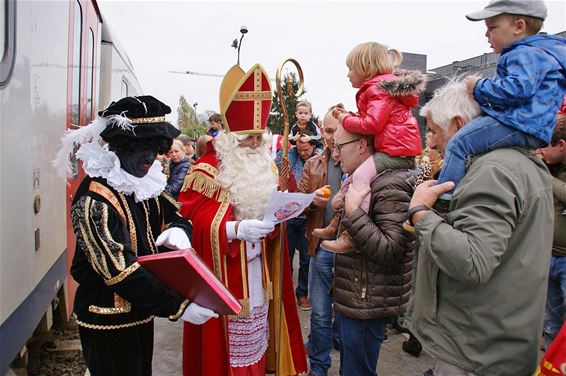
{"type": "Point", "coordinates": [393, 361]}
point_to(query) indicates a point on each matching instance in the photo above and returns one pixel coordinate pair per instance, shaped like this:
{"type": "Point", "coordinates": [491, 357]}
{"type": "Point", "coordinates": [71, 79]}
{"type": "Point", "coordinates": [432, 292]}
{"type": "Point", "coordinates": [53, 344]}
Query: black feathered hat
{"type": "Point", "coordinates": [137, 117]}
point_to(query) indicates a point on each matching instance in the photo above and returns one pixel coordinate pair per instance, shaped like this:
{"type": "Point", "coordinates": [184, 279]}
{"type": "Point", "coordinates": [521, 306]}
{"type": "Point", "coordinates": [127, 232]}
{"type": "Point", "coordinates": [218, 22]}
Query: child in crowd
{"type": "Point", "coordinates": [215, 125]}
{"type": "Point", "coordinates": [178, 166]}
{"type": "Point", "coordinates": [305, 127]}
{"type": "Point", "coordinates": [384, 99]}
{"type": "Point", "coordinates": [519, 105]}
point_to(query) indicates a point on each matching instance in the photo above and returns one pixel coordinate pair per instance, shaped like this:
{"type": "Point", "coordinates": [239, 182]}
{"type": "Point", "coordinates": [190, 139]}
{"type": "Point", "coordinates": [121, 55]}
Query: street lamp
{"type": "Point", "coordinates": [238, 45]}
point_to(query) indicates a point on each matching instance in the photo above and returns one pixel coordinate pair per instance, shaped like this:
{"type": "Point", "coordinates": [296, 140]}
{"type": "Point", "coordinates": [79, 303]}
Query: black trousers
{"type": "Point", "coordinates": [120, 352]}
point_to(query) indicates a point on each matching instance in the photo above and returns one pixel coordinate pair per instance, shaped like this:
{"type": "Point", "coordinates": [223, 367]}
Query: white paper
{"type": "Point", "coordinates": [283, 206]}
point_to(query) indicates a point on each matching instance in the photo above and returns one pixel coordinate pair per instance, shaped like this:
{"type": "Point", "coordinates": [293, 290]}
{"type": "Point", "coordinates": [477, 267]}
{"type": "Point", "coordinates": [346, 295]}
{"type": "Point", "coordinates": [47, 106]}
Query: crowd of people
{"type": "Point", "coordinates": [475, 261]}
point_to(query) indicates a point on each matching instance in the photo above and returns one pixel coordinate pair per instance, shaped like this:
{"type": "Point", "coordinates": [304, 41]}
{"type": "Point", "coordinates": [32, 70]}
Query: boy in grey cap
{"type": "Point", "coordinates": [520, 103]}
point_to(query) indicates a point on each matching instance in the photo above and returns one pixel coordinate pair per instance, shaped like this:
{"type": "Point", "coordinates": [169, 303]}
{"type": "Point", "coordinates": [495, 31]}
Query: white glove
{"type": "Point", "coordinates": [197, 315]}
{"type": "Point", "coordinates": [252, 230]}
{"type": "Point", "coordinates": [174, 238]}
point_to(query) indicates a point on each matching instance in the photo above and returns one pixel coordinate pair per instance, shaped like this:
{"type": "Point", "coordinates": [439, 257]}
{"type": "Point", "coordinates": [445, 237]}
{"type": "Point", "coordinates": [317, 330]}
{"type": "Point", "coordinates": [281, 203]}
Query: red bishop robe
{"type": "Point", "coordinates": [205, 347]}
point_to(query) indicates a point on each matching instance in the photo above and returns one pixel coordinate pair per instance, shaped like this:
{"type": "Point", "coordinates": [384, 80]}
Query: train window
{"type": "Point", "coordinates": [7, 40]}
{"type": "Point", "coordinates": [76, 82]}
{"type": "Point", "coordinates": [124, 88]}
{"type": "Point", "coordinates": [90, 75]}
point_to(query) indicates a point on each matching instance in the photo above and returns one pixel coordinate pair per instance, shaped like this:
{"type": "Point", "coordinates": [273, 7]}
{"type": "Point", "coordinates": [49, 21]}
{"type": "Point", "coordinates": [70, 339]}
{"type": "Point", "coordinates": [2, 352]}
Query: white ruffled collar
{"type": "Point", "coordinates": [98, 161]}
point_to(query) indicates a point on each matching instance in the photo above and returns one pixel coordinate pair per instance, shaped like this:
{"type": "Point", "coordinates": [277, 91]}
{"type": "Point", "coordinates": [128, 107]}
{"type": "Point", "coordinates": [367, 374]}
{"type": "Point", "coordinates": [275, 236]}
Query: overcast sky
{"type": "Point", "coordinates": [160, 36]}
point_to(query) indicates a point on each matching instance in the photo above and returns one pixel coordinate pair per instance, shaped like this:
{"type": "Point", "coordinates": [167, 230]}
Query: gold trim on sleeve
{"type": "Point", "coordinates": [170, 198]}
{"type": "Point", "coordinates": [120, 277]}
{"type": "Point", "coordinates": [181, 310]}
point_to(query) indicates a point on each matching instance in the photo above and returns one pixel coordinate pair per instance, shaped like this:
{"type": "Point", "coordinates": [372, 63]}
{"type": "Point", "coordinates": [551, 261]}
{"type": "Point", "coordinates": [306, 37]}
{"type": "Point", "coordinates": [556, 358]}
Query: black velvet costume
{"type": "Point", "coordinates": [115, 292]}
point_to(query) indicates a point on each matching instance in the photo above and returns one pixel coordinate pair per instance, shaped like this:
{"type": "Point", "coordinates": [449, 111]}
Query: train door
{"type": "Point", "coordinates": [82, 86]}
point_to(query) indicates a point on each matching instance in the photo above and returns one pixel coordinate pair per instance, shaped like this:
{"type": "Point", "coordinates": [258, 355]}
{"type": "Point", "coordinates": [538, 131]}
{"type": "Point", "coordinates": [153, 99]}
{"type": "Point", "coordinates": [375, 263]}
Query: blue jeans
{"type": "Point", "coordinates": [319, 345]}
{"type": "Point", "coordinates": [296, 239]}
{"type": "Point", "coordinates": [555, 299]}
{"type": "Point", "coordinates": [360, 344]}
{"type": "Point", "coordinates": [479, 136]}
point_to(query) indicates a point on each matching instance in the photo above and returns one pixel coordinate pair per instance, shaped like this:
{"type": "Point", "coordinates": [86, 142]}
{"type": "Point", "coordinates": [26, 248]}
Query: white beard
{"type": "Point", "coordinates": [247, 173]}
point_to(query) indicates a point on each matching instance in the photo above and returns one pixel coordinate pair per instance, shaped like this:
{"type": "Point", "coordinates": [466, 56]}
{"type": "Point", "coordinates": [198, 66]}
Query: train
{"type": "Point", "coordinates": [60, 64]}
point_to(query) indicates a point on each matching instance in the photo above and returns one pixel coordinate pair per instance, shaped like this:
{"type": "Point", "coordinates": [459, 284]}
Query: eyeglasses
{"type": "Point", "coordinates": [340, 146]}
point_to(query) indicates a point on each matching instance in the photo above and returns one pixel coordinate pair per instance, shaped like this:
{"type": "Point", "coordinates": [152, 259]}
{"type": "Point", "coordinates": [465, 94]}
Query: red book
{"type": "Point", "coordinates": [187, 274]}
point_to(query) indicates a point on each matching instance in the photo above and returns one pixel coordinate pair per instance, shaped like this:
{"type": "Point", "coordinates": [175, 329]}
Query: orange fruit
{"type": "Point", "coordinates": [326, 191]}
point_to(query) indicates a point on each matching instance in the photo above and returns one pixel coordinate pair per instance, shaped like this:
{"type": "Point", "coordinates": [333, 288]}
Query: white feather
{"type": "Point", "coordinates": [74, 138]}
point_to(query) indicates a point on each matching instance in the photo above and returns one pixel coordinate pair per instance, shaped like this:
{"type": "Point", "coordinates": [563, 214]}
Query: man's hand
{"type": "Point", "coordinates": [319, 199]}
{"type": "Point", "coordinates": [198, 315]}
{"type": "Point", "coordinates": [174, 238]}
{"type": "Point", "coordinates": [471, 84]}
{"type": "Point", "coordinates": [253, 230]}
{"type": "Point", "coordinates": [426, 194]}
{"type": "Point", "coordinates": [354, 199]}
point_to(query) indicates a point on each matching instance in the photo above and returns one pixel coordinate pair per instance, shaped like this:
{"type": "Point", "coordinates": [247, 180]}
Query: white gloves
{"type": "Point", "coordinates": [174, 238]}
{"type": "Point", "coordinates": [252, 230]}
{"type": "Point", "coordinates": [197, 315]}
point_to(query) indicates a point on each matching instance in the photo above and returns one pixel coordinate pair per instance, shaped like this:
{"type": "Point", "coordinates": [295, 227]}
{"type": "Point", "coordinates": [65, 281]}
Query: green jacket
{"type": "Point", "coordinates": [559, 190]}
{"type": "Point", "coordinates": [482, 273]}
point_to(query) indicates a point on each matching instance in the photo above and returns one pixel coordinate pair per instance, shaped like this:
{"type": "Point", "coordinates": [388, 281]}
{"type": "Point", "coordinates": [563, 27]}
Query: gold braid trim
{"type": "Point", "coordinates": [120, 277]}
{"type": "Point", "coordinates": [181, 310]}
{"type": "Point", "coordinates": [110, 310]}
{"type": "Point", "coordinates": [112, 327]}
{"type": "Point", "coordinates": [201, 183]}
{"type": "Point", "coordinates": [148, 120]}
{"type": "Point", "coordinates": [170, 198]}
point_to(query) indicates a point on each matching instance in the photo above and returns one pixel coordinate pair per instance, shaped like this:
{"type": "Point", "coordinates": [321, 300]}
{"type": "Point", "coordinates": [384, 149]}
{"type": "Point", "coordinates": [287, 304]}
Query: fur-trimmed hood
{"type": "Point", "coordinates": [404, 83]}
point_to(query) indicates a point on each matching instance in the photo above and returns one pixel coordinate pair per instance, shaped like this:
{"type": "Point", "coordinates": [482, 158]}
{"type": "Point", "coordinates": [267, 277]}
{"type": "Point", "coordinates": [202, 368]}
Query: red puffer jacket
{"type": "Point", "coordinates": [384, 105]}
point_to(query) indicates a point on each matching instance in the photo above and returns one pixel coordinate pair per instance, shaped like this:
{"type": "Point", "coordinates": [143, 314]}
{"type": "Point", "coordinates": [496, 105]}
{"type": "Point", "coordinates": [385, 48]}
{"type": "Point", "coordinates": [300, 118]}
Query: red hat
{"type": "Point", "coordinates": [245, 100]}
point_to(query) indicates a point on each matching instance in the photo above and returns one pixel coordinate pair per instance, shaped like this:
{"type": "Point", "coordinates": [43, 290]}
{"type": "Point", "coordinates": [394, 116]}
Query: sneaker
{"type": "Point", "coordinates": [385, 339]}
{"type": "Point", "coordinates": [304, 303]}
{"type": "Point", "coordinates": [428, 372]}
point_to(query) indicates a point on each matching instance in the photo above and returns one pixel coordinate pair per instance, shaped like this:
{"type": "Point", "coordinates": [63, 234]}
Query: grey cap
{"type": "Point", "coordinates": [532, 8]}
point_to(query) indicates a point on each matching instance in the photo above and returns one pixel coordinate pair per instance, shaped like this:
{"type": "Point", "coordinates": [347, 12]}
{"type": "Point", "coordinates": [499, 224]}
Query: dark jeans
{"type": "Point", "coordinates": [360, 344]}
{"type": "Point", "coordinates": [319, 345]}
{"type": "Point", "coordinates": [479, 136]}
{"type": "Point", "coordinates": [119, 352]}
{"type": "Point", "coordinates": [555, 299]}
{"type": "Point", "coordinates": [296, 239]}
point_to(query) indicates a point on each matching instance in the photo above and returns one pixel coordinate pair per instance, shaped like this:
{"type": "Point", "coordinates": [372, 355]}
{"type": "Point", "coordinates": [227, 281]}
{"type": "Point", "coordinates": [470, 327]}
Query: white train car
{"type": "Point", "coordinates": [59, 66]}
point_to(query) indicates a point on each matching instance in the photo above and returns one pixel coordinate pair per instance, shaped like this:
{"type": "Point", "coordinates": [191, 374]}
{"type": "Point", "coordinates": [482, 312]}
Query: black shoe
{"type": "Point", "coordinates": [412, 346]}
{"type": "Point", "coordinates": [428, 372]}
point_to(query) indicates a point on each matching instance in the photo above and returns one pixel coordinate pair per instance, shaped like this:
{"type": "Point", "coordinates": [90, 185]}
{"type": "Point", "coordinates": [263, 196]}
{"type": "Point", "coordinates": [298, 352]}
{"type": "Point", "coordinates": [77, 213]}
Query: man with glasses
{"type": "Point", "coordinates": [372, 283]}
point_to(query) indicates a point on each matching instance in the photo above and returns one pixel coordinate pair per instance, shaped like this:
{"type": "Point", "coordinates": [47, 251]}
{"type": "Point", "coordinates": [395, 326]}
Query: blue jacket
{"type": "Point", "coordinates": [177, 173]}
{"type": "Point", "coordinates": [529, 86]}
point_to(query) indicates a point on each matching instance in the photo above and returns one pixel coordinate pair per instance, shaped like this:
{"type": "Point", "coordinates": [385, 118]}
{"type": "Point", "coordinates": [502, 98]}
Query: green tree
{"type": "Point", "coordinates": [186, 114]}
{"type": "Point", "coordinates": [275, 122]}
{"type": "Point", "coordinates": [188, 120]}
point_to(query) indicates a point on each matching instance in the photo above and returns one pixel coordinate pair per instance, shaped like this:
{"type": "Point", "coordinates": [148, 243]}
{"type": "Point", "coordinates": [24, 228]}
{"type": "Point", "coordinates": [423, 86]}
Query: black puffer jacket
{"type": "Point", "coordinates": [375, 281]}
